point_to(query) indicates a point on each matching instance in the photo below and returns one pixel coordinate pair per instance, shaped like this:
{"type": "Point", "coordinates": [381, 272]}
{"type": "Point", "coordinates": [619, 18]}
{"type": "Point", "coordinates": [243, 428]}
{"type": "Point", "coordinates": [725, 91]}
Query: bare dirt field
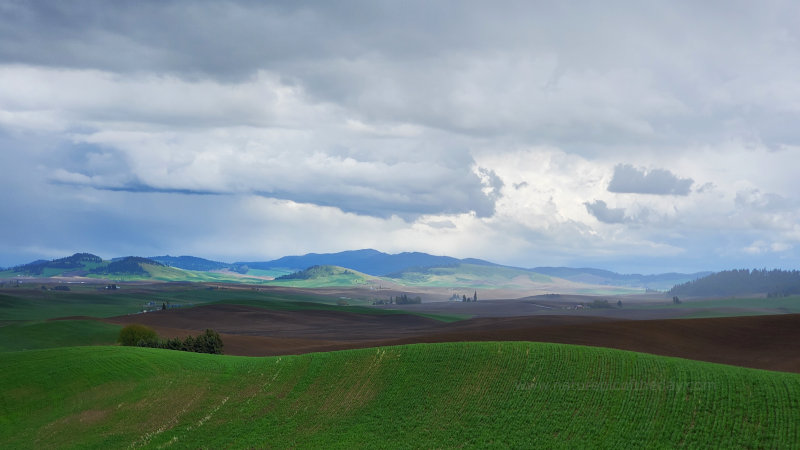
{"type": "Point", "coordinates": [765, 342]}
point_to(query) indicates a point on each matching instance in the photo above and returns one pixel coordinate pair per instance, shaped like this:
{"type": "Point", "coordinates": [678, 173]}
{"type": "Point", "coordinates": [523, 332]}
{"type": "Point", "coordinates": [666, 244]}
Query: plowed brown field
{"type": "Point", "coordinates": [765, 342]}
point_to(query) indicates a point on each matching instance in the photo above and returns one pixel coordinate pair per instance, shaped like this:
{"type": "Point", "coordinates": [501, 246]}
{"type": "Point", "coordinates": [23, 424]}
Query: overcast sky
{"type": "Point", "coordinates": [632, 136]}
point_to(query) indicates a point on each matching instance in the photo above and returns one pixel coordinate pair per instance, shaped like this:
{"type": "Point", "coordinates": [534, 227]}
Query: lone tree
{"type": "Point", "coordinates": [475, 296]}
{"type": "Point", "coordinates": [135, 334]}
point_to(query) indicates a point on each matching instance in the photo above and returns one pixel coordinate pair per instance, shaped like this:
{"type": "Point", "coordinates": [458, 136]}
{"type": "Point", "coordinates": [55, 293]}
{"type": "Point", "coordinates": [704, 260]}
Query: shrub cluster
{"type": "Point", "coordinates": [143, 336]}
{"type": "Point", "coordinates": [208, 342]}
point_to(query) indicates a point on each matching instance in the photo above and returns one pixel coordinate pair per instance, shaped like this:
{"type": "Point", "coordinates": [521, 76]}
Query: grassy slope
{"type": "Point", "coordinates": [439, 395]}
{"type": "Point", "coordinates": [61, 333]}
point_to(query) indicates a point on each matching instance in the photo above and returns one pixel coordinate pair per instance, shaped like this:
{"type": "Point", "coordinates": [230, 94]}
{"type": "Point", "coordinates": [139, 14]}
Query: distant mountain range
{"type": "Point", "coordinates": [409, 267]}
{"type": "Point", "coordinates": [369, 261]}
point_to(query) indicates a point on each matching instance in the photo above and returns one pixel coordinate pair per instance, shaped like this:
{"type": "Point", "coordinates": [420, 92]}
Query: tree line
{"type": "Point", "coordinates": [136, 335]}
{"type": "Point", "coordinates": [774, 283]}
{"type": "Point", "coordinates": [402, 299]}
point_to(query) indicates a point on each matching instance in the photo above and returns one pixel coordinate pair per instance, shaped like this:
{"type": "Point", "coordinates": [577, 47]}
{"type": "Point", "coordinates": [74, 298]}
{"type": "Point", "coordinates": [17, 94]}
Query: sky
{"type": "Point", "coordinates": [639, 137]}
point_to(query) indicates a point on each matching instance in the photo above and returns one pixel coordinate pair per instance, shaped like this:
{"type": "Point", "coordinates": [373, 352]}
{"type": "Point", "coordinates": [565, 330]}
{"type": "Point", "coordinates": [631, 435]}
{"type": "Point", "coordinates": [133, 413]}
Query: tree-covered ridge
{"type": "Point", "coordinates": [131, 265]}
{"type": "Point", "coordinates": [775, 283]}
{"type": "Point", "coordinates": [76, 261]}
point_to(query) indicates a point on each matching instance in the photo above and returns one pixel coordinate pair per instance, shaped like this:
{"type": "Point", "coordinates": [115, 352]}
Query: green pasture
{"type": "Point", "coordinates": [509, 394]}
{"type": "Point", "coordinates": [57, 333]}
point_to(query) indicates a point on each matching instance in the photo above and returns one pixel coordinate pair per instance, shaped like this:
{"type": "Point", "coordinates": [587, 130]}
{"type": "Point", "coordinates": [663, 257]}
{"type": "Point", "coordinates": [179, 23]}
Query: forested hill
{"type": "Point", "coordinates": [774, 283]}
{"type": "Point", "coordinates": [77, 261]}
{"type": "Point", "coordinates": [130, 265]}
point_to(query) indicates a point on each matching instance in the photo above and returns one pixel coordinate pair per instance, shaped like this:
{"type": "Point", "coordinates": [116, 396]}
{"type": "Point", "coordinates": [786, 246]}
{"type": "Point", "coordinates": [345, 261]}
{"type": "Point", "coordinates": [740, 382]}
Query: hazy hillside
{"type": "Point", "coordinates": [659, 282]}
{"type": "Point", "coordinates": [773, 283]}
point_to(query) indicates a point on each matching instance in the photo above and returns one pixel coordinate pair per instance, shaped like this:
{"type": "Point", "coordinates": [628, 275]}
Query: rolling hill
{"type": "Point", "coordinates": [324, 276]}
{"type": "Point", "coordinates": [493, 394]}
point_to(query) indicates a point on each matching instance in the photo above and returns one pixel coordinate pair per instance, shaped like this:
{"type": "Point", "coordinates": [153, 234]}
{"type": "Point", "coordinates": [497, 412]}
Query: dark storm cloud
{"type": "Point", "coordinates": [366, 183]}
{"type": "Point", "coordinates": [630, 180]}
{"type": "Point", "coordinates": [387, 108]}
{"type": "Point", "coordinates": [217, 38]}
{"type": "Point", "coordinates": [546, 72]}
{"type": "Point", "coordinates": [600, 210]}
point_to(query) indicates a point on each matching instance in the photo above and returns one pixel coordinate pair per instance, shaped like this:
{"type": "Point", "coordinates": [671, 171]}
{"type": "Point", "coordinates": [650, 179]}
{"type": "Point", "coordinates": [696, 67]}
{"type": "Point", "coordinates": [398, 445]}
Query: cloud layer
{"type": "Point", "coordinates": [625, 135]}
{"type": "Point", "coordinates": [630, 180]}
